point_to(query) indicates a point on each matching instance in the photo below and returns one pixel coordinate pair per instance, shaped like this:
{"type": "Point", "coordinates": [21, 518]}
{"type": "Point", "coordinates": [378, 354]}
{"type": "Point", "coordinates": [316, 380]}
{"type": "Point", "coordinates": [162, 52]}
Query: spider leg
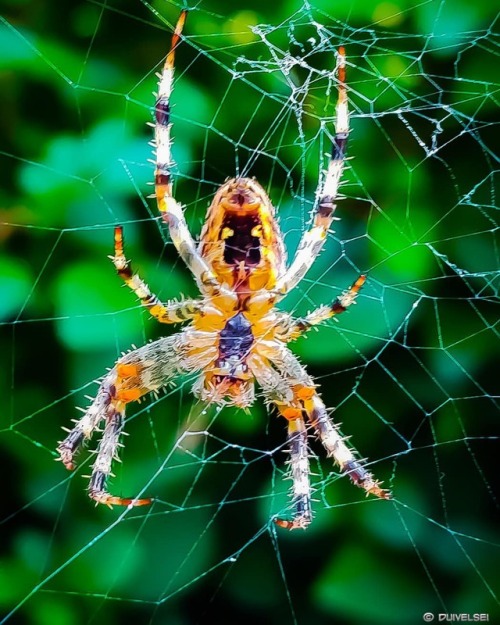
{"type": "Point", "coordinates": [301, 489]}
{"type": "Point", "coordinates": [170, 210]}
{"type": "Point", "coordinates": [293, 328]}
{"type": "Point", "coordinates": [328, 433]}
{"type": "Point", "coordinates": [276, 390]}
{"type": "Point", "coordinates": [293, 391]}
{"type": "Point", "coordinates": [313, 239]}
{"type": "Point", "coordinates": [336, 447]}
{"type": "Point", "coordinates": [106, 453]}
{"type": "Point", "coordinates": [173, 312]}
{"type": "Point", "coordinates": [85, 426]}
{"type": "Point", "coordinates": [137, 373]}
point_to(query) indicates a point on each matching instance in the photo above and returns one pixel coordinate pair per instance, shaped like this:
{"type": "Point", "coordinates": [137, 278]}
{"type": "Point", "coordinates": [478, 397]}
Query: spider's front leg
{"type": "Point", "coordinates": [137, 373]}
{"type": "Point", "coordinates": [304, 393]}
{"type": "Point", "coordinates": [333, 442]}
{"type": "Point", "coordinates": [313, 239]}
{"type": "Point", "coordinates": [115, 391]}
{"type": "Point", "coordinates": [106, 453]}
{"type": "Point", "coordinates": [288, 386]}
{"type": "Point", "coordinates": [336, 447]}
{"type": "Point", "coordinates": [277, 390]}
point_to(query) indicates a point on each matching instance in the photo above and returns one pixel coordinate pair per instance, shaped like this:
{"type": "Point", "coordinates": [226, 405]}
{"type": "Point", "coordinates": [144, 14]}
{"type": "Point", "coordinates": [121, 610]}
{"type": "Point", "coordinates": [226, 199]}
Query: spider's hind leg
{"type": "Point", "coordinates": [313, 239]}
{"type": "Point", "coordinates": [170, 210]}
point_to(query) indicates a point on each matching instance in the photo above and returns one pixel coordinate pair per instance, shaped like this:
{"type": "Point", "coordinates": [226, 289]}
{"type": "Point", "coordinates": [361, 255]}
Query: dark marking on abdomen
{"type": "Point", "coordinates": [241, 246]}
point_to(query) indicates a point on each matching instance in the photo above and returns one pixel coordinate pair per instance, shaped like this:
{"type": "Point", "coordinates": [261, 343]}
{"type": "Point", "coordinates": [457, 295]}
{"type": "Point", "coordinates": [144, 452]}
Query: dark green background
{"type": "Point", "coordinates": [410, 369]}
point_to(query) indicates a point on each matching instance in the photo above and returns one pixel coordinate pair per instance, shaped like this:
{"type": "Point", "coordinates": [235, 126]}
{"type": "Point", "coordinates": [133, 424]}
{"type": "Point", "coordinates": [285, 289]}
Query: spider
{"type": "Point", "coordinates": [235, 335]}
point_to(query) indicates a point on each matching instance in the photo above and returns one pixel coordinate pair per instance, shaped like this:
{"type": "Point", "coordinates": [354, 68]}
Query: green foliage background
{"type": "Point", "coordinates": [411, 369]}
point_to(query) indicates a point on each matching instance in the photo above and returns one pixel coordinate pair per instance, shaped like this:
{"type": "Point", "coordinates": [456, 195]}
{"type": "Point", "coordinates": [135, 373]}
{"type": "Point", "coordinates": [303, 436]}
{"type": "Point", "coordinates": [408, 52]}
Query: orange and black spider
{"type": "Point", "coordinates": [235, 336]}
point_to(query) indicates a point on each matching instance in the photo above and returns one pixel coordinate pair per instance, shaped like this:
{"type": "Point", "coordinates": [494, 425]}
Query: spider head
{"type": "Point", "coordinates": [234, 391]}
{"type": "Point", "coordinates": [241, 238]}
{"type": "Point", "coordinates": [226, 390]}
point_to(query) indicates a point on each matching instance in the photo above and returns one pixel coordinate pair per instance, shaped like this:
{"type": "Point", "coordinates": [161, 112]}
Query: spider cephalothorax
{"type": "Point", "coordinates": [235, 336]}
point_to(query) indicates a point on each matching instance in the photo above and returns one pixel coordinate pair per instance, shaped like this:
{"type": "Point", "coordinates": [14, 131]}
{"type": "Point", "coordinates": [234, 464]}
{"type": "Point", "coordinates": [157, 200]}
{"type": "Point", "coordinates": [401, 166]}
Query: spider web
{"type": "Point", "coordinates": [410, 370]}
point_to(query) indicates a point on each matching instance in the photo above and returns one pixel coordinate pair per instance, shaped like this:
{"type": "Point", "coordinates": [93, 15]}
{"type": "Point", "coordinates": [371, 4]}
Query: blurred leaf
{"type": "Point", "coordinates": [88, 301]}
{"type": "Point", "coordinates": [15, 286]}
{"type": "Point", "coordinates": [355, 584]}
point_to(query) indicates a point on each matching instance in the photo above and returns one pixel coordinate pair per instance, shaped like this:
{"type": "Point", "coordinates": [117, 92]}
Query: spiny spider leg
{"type": "Point", "coordinates": [106, 453]}
{"type": "Point", "coordinates": [173, 312]}
{"type": "Point", "coordinates": [336, 447]}
{"type": "Point", "coordinates": [301, 489]}
{"type": "Point", "coordinates": [313, 239]}
{"type": "Point", "coordinates": [339, 305]}
{"type": "Point", "coordinates": [305, 393]}
{"type": "Point", "coordinates": [85, 426]}
{"type": "Point", "coordinates": [144, 370]}
{"type": "Point", "coordinates": [278, 391]}
{"type": "Point", "coordinates": [298, 399]}
{"type": "Point", "coordinates": [170, 210]}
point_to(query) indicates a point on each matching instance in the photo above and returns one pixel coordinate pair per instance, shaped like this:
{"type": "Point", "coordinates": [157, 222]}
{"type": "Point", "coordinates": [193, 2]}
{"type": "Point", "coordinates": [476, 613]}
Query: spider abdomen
{"type": "Point", "coordinates": [241, 245]}
{"type": "Point", "coordinates": [241, 239]}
